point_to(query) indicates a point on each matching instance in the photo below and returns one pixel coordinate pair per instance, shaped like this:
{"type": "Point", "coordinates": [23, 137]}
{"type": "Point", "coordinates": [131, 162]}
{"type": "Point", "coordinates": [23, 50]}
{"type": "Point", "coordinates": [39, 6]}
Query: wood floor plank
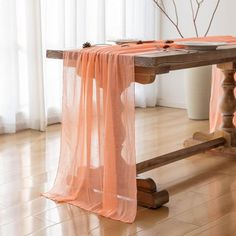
{"type": "Point", "coordinates": [170, 227]}
{"type": "Point", "coordinates": [61, 213]}
{"type": "Point", "coordinates": [75, 226]}
{"type": "Point", "coordinates": [210, 211]}
{"type": "Point", "coordinates": [24, 226]}
{"type": "Point", "coordinates": [202, 188]}
{"type": "Point", "coordinates": [224, 226]}
{"type": "Point", "coordinates": [218, 187]}
{"type": "Point", "coordinates": [20, 211]}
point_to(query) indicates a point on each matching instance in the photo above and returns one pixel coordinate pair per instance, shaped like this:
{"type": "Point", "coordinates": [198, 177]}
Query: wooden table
{"type": "Point", "coordinates": [147, 66]}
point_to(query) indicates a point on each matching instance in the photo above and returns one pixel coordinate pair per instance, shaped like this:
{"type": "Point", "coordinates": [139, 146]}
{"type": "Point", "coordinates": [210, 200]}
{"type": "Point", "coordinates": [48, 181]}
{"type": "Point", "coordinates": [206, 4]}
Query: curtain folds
{"type": "Point", "coordinates": [22, 103]}
{"type": "Point", "coordinates": [70, 23]}
{"type": "Point", "coordinates": [30, 84]}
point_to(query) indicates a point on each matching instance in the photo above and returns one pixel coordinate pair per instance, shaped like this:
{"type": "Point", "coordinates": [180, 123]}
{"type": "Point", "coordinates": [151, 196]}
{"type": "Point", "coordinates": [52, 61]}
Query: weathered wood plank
{"type": "Point", "coordinates": [178, 155]}
{"type": "Point", "coordinates": [148, 195]}
{"type": "Point", "coordinates": [152, 200]}
{"type": "Point", "coordinates": [143, 75]}
{"type": "Point", "coordinates": [163, 62]}
{"type": "Point", "coordinates": [146, 184]}
{"type": "Point", "coordinates": [54, 54]}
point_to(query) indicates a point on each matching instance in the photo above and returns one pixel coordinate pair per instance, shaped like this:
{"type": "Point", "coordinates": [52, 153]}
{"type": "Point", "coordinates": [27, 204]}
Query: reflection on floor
{"type": "Point", "coordinates": [202, 188]}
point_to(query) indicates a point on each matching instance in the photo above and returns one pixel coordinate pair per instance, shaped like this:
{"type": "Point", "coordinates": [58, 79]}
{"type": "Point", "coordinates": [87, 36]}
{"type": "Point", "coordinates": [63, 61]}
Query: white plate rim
{"type": "Point", "coordinates": [201, 43]}
{"type": "Point", "coordinates": [195, 45]}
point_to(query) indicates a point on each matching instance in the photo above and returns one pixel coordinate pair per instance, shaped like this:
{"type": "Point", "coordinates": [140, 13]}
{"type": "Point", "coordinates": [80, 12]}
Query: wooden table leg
{"type": "Point", "coordinates": [227, 107]}
{"type": "Point", "coordinates": [148, 195]}
{"type": "Point", "coordinates": [228, 102]}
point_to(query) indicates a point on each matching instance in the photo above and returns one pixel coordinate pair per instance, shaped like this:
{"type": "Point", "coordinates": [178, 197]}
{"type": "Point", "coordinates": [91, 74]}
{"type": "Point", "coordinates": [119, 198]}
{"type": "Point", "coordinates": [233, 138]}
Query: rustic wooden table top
{"type": "Point", "coordinates": [158, 62]}
{"type": "Point", "coordinates": [174, 59]}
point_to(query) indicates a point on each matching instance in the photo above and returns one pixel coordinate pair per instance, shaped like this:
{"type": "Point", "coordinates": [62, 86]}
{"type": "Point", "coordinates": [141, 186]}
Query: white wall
{"type": "Point", "coordinates": [171, 89]}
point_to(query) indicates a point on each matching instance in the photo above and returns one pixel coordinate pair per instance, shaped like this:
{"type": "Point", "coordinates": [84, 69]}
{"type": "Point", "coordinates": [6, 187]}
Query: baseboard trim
{"type": "Point", "coordinates": [165, 103]}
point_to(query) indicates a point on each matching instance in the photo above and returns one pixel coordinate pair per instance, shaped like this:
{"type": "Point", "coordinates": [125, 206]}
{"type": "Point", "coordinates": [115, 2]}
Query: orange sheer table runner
{"type": "Point", "coordinates": [97, 167]}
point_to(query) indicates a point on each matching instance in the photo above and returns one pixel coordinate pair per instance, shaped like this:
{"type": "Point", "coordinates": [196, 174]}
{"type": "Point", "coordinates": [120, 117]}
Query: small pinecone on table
{"type": "Point", "coordinates": [87, 45]}
{"type": "Point", "coordinates": [169, 41]}
{"type": "Point", "coordinates": [140, 42]}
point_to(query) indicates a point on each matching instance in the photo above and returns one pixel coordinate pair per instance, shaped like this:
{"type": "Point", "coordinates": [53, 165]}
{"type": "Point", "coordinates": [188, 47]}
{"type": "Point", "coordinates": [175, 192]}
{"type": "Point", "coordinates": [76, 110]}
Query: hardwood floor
{"type": "Point", "coordinates": [202, 188]}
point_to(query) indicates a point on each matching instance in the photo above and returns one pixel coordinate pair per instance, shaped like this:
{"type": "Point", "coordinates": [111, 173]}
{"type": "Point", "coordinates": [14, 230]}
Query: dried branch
{"type": "Point", "coordinates": [200, 2]}
{"type": "Point", "coordinates": [195, 13]}
{"type": "Point", "coordinates": [194, 19]}
{"type": "Point", "coordinates": [176, 13]}
{"type": "Point", "coordinates": [162, 4]}
{"type": "Point", "coordinates": [212, 17]}
{"type": "Point", "coordinates": [165, 13]}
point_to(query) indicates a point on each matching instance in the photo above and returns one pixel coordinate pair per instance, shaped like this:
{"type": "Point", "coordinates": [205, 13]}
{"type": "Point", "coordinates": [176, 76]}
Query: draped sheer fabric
{"type": "Point", "coordinates": [97, 167]}
{"type": "Point", "coordinates": [96, 91]}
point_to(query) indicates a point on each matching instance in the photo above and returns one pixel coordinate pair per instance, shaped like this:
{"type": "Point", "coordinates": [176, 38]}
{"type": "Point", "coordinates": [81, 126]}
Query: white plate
{"type": "Point", "coordinates": [195, 45]}
{"type": "Point", "coordinates": [124, 41]}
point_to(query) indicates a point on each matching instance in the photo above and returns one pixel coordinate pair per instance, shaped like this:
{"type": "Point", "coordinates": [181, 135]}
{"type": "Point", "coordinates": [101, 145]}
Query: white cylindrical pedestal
{"type": "Point", "coordinates": [198, 92]}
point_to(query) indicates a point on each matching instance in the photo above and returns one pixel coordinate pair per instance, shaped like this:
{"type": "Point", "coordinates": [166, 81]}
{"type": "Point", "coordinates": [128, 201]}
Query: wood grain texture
{"type": "Point", "coordinates": [152, 200]}
{"type": "Point", "coordinates": [163, 62]}
{"type": "Point", "coordinates": [150, 64]}
{"type": "Point", "coordinates": [55, 54]}
{"type": "Point", "coordinates": [202, 188]}
{"type": "Point", "coordinates": [143, 75]}
{"type": "Point", "coordinates": [183, 59]}
{"type": "Point", "coordinates": [148, 195]}
{"type": "Point", "coordinates": [146, 184]}
{"type": "Point", "coordinates": [178, 155]}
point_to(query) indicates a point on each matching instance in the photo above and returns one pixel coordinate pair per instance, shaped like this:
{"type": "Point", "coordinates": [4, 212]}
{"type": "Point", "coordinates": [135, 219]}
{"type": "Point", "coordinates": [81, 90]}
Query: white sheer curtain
{"type": "Point", "coordinates": [21, 81]}
{"type": "Point", "coordinates": [30, 96]}
{"type": "Point", "coordinates": [70, 23]}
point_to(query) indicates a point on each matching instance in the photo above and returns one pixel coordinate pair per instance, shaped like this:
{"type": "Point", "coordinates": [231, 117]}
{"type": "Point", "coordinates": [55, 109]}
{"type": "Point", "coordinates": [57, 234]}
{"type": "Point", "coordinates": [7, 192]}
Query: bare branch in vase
{"type": "Point", "coordinates": [193, 16]}
{"type": "Point", "coordinates": [195, 9]}
{"type": "Point", "coordinates": [212, 17]}
{"type": "Point", "coordinates": [176, 12]}
{"type": "Point", "coordinates": [169, 18]}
